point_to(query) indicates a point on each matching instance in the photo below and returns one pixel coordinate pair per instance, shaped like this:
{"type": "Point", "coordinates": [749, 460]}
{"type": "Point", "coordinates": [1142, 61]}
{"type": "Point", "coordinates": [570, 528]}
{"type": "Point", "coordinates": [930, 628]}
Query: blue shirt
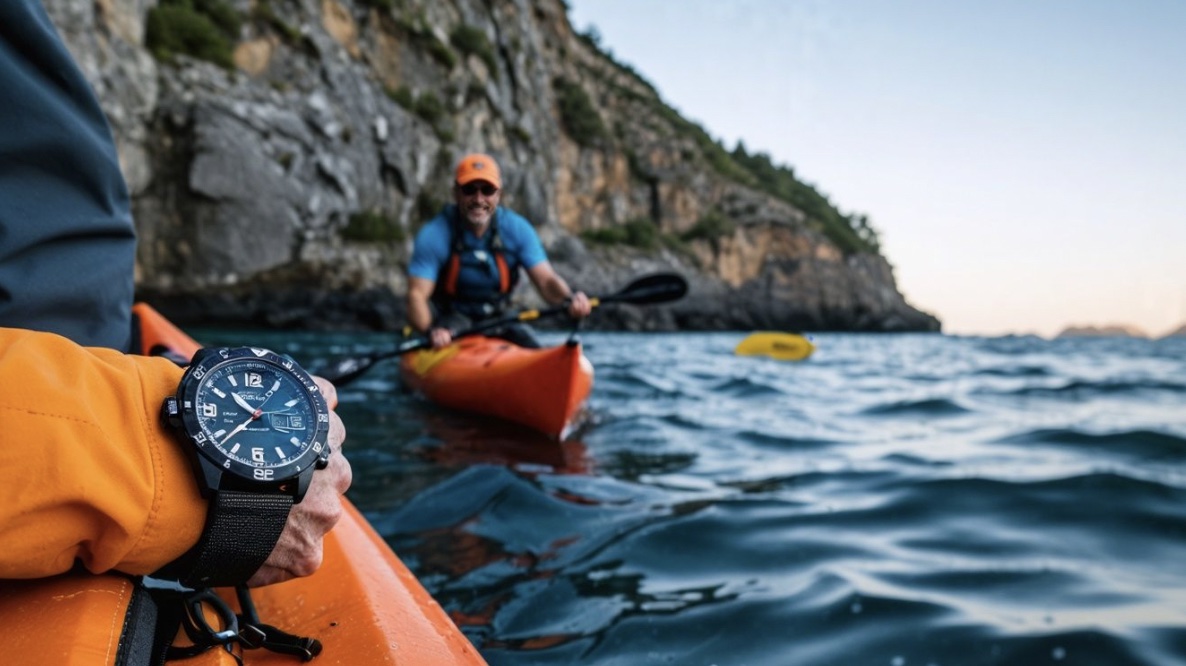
{"type": "Point", "coordinates": [67, 243]}
{"type": "Point", "coordinates": [478, 278]}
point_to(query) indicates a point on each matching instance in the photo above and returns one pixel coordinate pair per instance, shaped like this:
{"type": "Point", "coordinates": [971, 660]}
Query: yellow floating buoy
{"type": "Point", "coordinates": [775, 344]}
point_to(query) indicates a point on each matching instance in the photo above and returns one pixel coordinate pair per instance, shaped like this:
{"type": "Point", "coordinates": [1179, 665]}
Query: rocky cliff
{"type": "Point", "coordinates": [279, 176]}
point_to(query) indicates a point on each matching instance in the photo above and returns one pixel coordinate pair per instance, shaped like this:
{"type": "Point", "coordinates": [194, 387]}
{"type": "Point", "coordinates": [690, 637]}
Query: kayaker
{"type": "Point", "coordinates": [465, 263]}
{"type": "Point", "coordinates": [91, 481]}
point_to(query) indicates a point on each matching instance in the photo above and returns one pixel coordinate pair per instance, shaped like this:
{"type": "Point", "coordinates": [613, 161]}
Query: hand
{"type": "Point", "coordinates": [441, 337]}
{"type": "Point", "coordinates": [300, 549]}
{"type": "Point", "coordinates": [579, 306]}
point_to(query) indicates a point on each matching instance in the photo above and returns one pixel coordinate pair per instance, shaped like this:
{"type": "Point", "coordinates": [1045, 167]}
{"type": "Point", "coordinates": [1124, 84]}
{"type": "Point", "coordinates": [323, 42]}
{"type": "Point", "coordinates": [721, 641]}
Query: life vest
{"type": "Point", "coordinates": [447, 295]}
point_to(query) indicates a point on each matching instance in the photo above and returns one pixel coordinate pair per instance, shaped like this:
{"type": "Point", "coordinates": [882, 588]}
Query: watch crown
{"type": "Point", "coordinates": [171, 411]}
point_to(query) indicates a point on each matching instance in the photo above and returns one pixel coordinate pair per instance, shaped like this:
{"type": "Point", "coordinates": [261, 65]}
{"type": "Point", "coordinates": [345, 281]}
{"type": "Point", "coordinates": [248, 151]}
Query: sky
{"type": "Point", "coordinates": [1024, 162]}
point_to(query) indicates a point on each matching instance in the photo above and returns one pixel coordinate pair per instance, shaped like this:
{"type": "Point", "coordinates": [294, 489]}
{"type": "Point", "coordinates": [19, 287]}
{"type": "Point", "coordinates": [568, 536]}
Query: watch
{"type": "Point", "coordinates": [256, 427]}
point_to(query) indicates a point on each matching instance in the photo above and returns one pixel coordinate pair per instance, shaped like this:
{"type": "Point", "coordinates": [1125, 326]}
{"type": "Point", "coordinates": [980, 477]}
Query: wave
{"type": "Point", "coordinates": [928, 407]}
{"type": "Point", "coordinates": [1012, 345]}
{"type": "Point", "coordinates": [745, 387]}
{"type": "Point", "coordinates": [783, 441]}
{"type": "Point", "coordinates": [1086, 389]}
{"type": "Point", "coordinates": [1015, 371]}
{"type": "Point", "coordinates": [1142, 443]}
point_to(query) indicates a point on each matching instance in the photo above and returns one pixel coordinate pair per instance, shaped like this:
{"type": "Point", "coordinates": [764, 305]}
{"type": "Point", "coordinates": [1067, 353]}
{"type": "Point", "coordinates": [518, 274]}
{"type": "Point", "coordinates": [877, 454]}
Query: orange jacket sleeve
{"type": "Point", "coordinates": [88, 472]}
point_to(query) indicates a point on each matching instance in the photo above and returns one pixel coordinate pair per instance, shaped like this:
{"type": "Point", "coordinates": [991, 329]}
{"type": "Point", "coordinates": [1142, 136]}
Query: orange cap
{"type": "Point", "coordinates": [478, 167]}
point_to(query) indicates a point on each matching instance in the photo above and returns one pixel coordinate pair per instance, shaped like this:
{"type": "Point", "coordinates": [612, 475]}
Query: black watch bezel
{"type": "Point", "coordinates": [244, 475]}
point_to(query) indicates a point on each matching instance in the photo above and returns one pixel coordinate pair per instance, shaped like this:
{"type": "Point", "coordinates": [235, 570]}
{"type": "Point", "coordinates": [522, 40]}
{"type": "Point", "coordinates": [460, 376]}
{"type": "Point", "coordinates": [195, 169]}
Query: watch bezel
{"type": "Point", "coordinates": [210, 360]}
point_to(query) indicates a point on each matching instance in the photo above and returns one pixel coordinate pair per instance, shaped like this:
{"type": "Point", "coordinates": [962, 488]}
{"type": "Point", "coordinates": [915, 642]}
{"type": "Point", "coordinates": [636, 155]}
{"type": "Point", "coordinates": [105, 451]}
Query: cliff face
{"type": "Point", "coordinates": [285, 189]}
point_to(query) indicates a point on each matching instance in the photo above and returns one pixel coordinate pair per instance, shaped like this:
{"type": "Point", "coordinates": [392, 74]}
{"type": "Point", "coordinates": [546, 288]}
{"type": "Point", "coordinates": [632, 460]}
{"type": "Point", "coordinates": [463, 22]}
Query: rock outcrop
{"type": "Point", "coordinates": [283, 187]}
{"type": "Point", "coordinates": [1107, 331]}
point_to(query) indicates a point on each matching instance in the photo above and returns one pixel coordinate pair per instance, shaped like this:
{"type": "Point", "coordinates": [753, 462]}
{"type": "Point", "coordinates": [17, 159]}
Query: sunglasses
{"type": "Point", "coordinates": [470, 189]}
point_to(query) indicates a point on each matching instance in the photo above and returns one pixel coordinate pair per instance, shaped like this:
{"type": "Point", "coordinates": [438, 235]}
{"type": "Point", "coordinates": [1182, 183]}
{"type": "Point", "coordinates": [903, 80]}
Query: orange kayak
{"type": "Point", "coordinates": [542, 389]}
{"type": "Point", "coordinates": [363, 604]}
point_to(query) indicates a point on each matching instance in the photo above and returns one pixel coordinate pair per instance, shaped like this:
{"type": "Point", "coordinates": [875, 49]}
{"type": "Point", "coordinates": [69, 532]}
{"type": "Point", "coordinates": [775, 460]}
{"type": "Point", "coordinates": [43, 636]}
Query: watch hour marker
{"type": "Point", "coordinates": [295, 442]}
{"type": "Point", "coordinates": [292, 402]}
{"type": "Point", "coordinates": [235, 448]}
{"type": "Point", "coordinates": [232, 380]}
{"type": "Point", "coordinates": [280, 452]}
{"type": "Point", "coordinates": [217, 392]}
{"type": "Point", "coordinates": [220, 433]}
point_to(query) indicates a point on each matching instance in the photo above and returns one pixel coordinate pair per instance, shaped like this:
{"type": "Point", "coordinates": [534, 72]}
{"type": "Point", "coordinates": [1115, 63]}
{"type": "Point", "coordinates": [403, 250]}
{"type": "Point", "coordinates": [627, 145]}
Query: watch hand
{"type": "Point", "coordinates": [240, 428]}
{"type": "Point", "coordinates": [243, 403]}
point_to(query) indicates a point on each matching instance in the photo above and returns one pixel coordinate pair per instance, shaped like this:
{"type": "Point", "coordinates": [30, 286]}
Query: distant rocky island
{"type": "Point", "coordinates": [1111, 330]}
{"type": "Point", "coordinates": [1115, 330]}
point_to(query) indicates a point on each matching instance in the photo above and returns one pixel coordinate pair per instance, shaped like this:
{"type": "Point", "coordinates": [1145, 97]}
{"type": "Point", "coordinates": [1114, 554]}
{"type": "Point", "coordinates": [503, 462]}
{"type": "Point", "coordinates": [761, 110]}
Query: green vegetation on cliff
{"type": "Point", "coordinates": [851, 233]}
{"type": "Point", "coordinates": [472, 41]}
{"type": "Point", "coordinates": [577, 113]}
{"type": "Point", "coordinates": [640, 233]}
{"type": "Point", "coordinates": [373, 227]}
{"type": "Point", "coordinates": [203, 29]}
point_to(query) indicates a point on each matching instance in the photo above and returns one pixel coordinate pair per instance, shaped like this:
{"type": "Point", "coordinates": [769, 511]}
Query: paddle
{"type": "Point", "coordinates": [775, 344]}
{"type": "Point", "coordinates": [657, 288]}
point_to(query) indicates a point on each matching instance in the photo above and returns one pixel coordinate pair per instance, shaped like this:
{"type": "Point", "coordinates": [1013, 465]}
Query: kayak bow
{"type": "Point", "coordinates": [539, 388]}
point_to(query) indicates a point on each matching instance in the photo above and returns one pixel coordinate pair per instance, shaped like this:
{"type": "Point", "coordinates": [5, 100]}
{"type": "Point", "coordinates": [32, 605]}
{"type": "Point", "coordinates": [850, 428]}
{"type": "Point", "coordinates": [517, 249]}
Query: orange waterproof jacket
{"type": "Point", "coordinates": [87, 471]}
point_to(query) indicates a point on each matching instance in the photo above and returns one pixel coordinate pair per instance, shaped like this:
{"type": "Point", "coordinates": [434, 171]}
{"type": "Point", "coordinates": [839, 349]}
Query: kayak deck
{"type": "Point", "coordinates": [543, 389]}
{"type": "Point", "coordinates": [364, 606]}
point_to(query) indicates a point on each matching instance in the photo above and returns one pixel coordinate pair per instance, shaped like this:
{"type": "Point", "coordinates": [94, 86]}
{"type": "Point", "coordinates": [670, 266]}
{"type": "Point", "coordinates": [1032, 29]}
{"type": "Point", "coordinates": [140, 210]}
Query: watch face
{"type": "Point", "coordinates": [255, 413]}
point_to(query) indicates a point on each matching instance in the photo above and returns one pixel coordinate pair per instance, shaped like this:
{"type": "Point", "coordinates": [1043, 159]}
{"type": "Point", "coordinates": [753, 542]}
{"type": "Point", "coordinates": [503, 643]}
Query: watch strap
{"type": "Point", "coordinates": [241, 530]}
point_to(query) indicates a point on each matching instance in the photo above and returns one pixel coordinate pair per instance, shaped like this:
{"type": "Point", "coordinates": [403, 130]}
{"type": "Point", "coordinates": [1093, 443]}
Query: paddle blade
{"type": "Point", "coordinates": [781, 346]}
{"type": "Point", "coordinates": [345, 370]}
{"type": "Point", "coordinates": [657, 288]}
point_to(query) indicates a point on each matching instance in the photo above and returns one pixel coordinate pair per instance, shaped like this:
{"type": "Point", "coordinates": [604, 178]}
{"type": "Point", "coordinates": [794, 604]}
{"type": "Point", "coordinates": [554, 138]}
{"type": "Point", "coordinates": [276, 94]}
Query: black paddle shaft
{"type": "Point", "coordinates": [647, 290]}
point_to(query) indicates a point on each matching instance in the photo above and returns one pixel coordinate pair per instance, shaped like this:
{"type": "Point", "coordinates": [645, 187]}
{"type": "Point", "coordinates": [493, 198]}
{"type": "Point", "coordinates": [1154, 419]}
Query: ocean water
{"type": "Point", "coordinates": [895, 500]}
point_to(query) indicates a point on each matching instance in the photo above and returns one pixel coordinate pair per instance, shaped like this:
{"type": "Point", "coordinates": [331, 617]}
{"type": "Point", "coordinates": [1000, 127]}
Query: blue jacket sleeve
{"type": "Point", "coordinates": [67, 242]}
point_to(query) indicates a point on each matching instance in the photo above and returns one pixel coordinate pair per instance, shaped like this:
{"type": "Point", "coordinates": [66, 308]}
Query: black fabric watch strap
{"type": "Point", "coordinates": [241, 530]}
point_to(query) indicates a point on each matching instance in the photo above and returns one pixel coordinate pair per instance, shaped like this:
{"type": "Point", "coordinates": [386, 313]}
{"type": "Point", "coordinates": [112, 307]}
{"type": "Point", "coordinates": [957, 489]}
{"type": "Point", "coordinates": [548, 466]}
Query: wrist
{"type": "Point", "coordinates": [178, 511]}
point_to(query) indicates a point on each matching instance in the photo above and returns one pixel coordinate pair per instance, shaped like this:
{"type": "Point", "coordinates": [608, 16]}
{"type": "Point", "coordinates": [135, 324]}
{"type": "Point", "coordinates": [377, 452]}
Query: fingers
{"type": "Point", "coordinates": [299, 551]}
{"type": "Point", "coordinates": [579, 305]}
{"type": "Point", "coordinates": [328, 391]}
{"type": "Point", "coordinates": [338, 470]}
{"type": "Point", "coordinates": [441, 337]}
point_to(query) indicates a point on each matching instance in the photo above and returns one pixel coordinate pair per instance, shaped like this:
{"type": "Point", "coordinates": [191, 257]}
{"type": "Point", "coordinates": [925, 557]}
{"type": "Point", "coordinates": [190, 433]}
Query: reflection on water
{"type": "Point", "coordinates": [899, 500]}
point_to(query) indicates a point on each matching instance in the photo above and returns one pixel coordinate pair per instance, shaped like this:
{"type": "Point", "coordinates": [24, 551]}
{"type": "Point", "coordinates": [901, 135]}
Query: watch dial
{"type": "Point", "coordinates": [258, 415]}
